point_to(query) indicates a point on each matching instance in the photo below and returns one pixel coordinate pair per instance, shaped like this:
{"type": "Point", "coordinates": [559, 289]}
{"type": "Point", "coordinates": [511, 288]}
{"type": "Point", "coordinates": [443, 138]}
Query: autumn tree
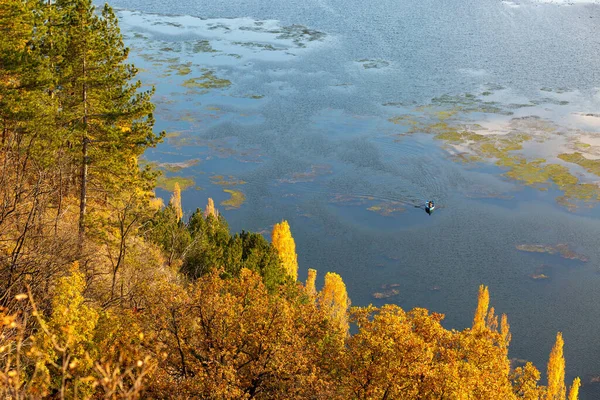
{"type": "Point", "coordinates": [555, 389]}
{"type": "Point", "coordinates": [232, 339]}
{"type": "Point", "coordinates": [310, 283]}
{"type": "Point", "coordinates": [333, 298]}
{"type": "Point", "coordinates": [210, 209]}
{"type": "Point", "coordinates": [483, 302]}
{"type": "Point", "coordinates": [574, 392]}
{"type": "Point", "coordinates": [286, 248]}
{"type": "Point", "coordinates": [524, 381]}
{"type": "Point", "coordinates": [176, 201]}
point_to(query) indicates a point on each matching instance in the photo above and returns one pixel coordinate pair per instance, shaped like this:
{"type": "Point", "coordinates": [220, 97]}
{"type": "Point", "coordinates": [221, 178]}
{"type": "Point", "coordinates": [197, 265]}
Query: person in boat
{"type": "Point", "coordinates": [430, 205]}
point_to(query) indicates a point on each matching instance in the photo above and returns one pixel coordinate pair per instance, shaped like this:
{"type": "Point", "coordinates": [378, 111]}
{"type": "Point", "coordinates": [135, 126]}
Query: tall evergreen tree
{"type": "Point", "coordinates": [107, 121]}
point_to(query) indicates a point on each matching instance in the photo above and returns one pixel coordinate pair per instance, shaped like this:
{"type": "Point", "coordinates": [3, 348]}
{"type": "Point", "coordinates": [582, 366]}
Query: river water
{"type": "Point", "coordinates": [313, 111]}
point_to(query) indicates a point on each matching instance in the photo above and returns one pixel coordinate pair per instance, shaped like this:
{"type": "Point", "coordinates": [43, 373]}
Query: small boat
{"type": "Point", "coordinates": [429, 208]}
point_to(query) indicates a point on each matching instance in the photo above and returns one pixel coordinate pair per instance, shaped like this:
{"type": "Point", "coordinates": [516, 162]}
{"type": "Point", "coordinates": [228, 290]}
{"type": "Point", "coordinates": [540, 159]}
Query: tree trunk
{"type": "Point", "coordinates": [84, 164]}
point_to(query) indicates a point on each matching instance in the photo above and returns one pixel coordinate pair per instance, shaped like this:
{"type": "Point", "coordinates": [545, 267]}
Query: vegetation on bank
{"type": "Point", "coordinates": [107, 293]}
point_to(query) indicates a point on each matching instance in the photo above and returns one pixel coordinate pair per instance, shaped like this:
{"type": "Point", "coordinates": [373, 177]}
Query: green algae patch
{"type": "Point", "coordinates": [174, 134]}
{"type": "Point", "coordinates": [452, 119]}
{"type": "Point", "coordinates": [389, 290]}
{"type": "Point", "coordinates": [315, 171]}
{"type": "Point", "coordinates": [168, 182]}
{"type": "Point", "coordinates": [178, 166]}
{"type": "Point", "coordinates": [235, 200]}
{"type": "Point", "coordinates": [387, 209]}
{"type": "Point", "coordinates": [208, 80]}
{"type": "Point", "coordinates": [540, 273]}
{"type": "Point", "coordinates": [404, 120]}
{"type": "Point", "coordinates": [368, 63]}
{"type": "Point", "coordinates": [582, 146]}
{"type": "Point", "coordinates": [451, 135]}
{"type": "Point", "coordinates": [592, 166]}
{"type": "Point", "coordinates": [469, 103]}
{"type": "Point", "coordinates": [203, 46]}
{"type": "Point", "coordinates": [466, 158]}
{"type": "Point", "coordinates": [180, 69]}
{"type": "Point", "coordinates": [560, 175]}
{"type": "Point", "coordinates": [531, 173]}
{"type": "Point", "coordinates": [253, 96]}
{"type": "Point", "coordinates": [231, 181]}
{"type": "Point", "coordinates": [561, 249]}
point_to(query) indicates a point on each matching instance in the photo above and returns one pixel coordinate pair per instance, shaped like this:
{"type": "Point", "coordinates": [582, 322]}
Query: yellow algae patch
{"type": "Point", "coordinates": [178, 166]}
{"type": "Point", "coordinates": [208, 80]}
{"type": "Point", "coordinates": [387, 209]}
{"type": "Point", "coordinates": [235, 200]}
{"type": "Point", "coordinates": [220, 180]}
{"type": "Point", "coordinates": [592, 166]}
{"type": "Point", "coordinates": [561, 249]}
{"type": "Point", "coordinates": [316, 170]}
{"type": "Point", "coordinates": [460, 136]}
{"type": "Point", "coordinates": [404, 120]}
{"type": "Point", "coordinates": [168, 183]}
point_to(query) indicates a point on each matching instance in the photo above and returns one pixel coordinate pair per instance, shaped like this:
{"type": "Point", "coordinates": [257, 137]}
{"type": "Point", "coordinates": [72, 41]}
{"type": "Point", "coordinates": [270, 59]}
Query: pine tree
{"type": "Point", "coordinates": [334, 299]}
{"type": "Point", "coordinates": [286, 248]}
{"type": "Point", "coordinates": [106, 120]}
{"type": "Point", "coordinates": [556, 371]}
{"type": "Point", "coordinates": [176, 201]}
{"type": "Point", "coordinates": [483, 302]}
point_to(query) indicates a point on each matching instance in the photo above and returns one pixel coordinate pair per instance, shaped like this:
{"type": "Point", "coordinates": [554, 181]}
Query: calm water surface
{"type": "Point", "coordinates": [305, 123]}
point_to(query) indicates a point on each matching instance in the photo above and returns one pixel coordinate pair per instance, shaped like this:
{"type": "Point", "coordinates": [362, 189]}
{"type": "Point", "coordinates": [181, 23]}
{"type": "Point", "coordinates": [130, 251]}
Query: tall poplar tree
{"type": "Point", "coordinates": [176, 201]}
{"type": "Point", "coordinates": [556, 371]}
{"type": "Point", "coordinates": [483, 302]}
{"type": "Point", "coordinates": [286, 248]}
{"type": "Point", "coordinates": [334, 300]}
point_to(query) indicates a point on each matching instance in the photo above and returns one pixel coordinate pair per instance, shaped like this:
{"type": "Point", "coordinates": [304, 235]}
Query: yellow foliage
{"type": "Point", "coordinates": [155, 203]}
{"type": "Point", "coordinates": [65, 344]}
{"type": "Point", "coordinates": [286, 248]}
{"type": "Point", "coordinates": [483, 302]}
{"type": "Point", "coordinates": [210, 209]}
{"type": "Point", "coordinates": [524, 380]}
{"type": "Point", "coordinates": [310, 282]}
{"type": "Point", "coordinates": [556, 389]}
{"type": "Point", "coordinates": [505, 330]}
{"type": "Point", "coordinates": [574, 392]}
{"type": "Point", "coordinates": [176, 201]}
{"type": "Point", "coordinates": [334, 300]}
